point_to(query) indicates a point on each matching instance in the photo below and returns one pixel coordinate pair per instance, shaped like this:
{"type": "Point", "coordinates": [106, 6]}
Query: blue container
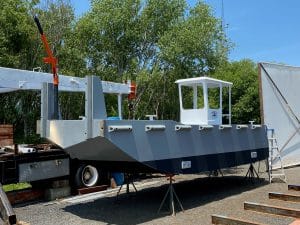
{"type": "Point", "coordinates": [119, 178]}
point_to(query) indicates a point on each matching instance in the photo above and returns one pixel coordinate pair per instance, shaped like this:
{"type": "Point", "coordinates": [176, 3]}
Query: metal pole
{"type": "Point", "coordinates": [120, 106]}
{"type": "Point", "coordinates": [229, 118]}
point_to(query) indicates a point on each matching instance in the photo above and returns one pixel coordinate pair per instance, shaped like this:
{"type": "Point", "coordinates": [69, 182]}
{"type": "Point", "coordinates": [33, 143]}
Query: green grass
{"type": "Point", "coordinates": [14, 187]}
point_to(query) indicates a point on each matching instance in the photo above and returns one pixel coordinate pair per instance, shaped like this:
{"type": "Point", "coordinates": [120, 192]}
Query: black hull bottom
{"type": "Point", "coordinates": [197, 163]}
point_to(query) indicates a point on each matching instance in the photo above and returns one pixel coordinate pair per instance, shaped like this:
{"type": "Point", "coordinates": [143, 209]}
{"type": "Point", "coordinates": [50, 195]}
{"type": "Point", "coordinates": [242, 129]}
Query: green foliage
{"type": "Point", "coordinates": [196, 44]}
{"type": "Point", "coordinates": [14, 32]}
{"type": "Point", "coordinates": [245, 97]}
{"type": "Point", "coordinates": [153, 42]}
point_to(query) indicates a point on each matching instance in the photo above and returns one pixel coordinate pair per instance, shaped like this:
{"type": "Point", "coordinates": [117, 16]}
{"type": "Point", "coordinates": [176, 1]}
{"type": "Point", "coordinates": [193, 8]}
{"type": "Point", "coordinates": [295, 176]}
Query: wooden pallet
{"type": "Point", "coordinates": [6, 135]}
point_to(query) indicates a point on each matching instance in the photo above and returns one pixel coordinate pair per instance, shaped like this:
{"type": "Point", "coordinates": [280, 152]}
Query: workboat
{"type": "Point", "coordinates": [201, 141]}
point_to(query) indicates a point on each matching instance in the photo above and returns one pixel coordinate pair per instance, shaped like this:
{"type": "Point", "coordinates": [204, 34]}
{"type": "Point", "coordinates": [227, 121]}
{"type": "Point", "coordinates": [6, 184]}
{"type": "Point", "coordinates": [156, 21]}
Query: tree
{"type": "Point", "coordinates": [245, 96]}
{"type": "Point", "coordinates": [14, 32]}
{"type": "Point", "coordinates": [195, 45]}
{"type": "Point", "coordinates": [153, 42]}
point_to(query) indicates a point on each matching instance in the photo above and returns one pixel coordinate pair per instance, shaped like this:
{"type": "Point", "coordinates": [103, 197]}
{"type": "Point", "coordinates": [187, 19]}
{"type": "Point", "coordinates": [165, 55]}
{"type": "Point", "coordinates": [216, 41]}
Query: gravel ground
{"type": "Point", "coordinates": [200, 195]}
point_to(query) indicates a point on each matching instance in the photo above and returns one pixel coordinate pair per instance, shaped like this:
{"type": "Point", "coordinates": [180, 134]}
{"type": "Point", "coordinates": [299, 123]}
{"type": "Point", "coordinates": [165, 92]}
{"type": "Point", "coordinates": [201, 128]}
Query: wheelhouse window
{"type": "Point", "coordinates": [213, 97]}
{"type": "Point", "coordinates": [192, 96]}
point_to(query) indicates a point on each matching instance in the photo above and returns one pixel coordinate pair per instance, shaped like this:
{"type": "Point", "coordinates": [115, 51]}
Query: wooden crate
{"type": "Point", "coordinates": [6, 135]}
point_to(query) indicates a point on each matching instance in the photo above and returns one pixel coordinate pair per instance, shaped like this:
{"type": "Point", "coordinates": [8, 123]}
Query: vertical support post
{"type": "Point", "coordinates": [94, 103]}
{"type": "Point", "coordinates": [205, 98]}
{"type": "Point", "coordinates": [195, 98]}
{"type": "Point", "coordinates": [88, 108]}
{"type": "Point", "coordinates": [229, 104]}
{"type": "Point", "coordinates": [55, 102]}
{"type": "Point", "coordinates": [180, 97]}
{"type": "Point", "coordinates": [221, 106]}
{"type": "Point", "coordinates": [120, 105]}
{"type": "Point", "coordinates": [180, 102]}
{"type": "Point", "coordinates": [47, 107]}
{"type": "Point", "coordinates": [44, 110]}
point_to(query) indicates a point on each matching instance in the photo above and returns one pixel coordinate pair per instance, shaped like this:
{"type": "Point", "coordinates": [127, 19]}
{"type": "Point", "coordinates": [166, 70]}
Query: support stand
{"type": "Point", "coordinates": [127, 181]}
{"type": "Point", "coordinates": [171, 193]}
{"type": "Point", "coordinates": [251, 173]}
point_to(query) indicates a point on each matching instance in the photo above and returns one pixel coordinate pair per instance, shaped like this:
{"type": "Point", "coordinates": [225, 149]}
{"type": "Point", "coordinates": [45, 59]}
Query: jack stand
{"type": "Point", "coordinates": [128, 180]}
{"type": "Point", "coordinates": [251, 173]}
{"type": "Point", "coordinates": [171, 192]}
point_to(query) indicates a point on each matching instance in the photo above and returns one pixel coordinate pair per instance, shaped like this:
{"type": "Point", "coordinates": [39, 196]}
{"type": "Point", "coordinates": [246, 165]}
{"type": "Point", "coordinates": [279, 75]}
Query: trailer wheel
{"type": "Point", "coordinates": [86, 176]}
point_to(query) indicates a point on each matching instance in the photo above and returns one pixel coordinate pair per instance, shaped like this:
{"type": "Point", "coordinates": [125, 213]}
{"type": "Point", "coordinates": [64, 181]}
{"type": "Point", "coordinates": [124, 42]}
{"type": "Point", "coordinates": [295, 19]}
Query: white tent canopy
{"type": "Point", "coordinates": [280, 108]}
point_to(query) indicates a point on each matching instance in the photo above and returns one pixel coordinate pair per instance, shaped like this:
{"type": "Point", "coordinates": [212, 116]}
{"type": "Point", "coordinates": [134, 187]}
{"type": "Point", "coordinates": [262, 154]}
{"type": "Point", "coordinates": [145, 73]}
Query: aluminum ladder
{"type": "Point", "coordinates": [274, 155]}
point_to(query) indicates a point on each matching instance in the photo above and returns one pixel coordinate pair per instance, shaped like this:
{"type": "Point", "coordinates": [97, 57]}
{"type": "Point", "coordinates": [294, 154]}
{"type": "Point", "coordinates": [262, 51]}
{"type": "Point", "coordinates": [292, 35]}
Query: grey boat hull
{"type": "Point", "coordinates": [167, 150]}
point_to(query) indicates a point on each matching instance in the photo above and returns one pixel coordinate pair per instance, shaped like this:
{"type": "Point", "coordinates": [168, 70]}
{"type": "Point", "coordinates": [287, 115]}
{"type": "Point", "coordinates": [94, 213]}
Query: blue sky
{"type": "Point", "coordinates": [261, 30]}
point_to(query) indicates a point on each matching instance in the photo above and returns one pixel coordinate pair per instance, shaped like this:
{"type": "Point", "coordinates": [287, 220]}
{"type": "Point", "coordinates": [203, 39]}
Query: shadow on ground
{"type": "Point", "coordinates": [143, 207]}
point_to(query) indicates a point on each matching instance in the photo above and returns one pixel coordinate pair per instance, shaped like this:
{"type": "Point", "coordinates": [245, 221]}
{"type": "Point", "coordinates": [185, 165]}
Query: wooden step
{"type": "Point", "coordinates": [271, 209]}
{"type": "Point", "coordinates": [294, 187]}
{"type": "Point", "coordinates": [284, 197]}
{"type": "Point", "coordinates": [225, 220]}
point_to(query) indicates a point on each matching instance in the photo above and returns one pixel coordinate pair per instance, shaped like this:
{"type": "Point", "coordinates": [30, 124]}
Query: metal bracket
{"type": "Point", "coordinates": [183, 127]}
{"type": "Point", "coordinates": [154, 127]}
{"type": "Point", "coordinates": [120, 128]}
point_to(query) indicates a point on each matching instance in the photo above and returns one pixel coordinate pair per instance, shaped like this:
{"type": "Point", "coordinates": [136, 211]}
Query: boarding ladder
{"type": "Point", "coordinates": [274, 155]}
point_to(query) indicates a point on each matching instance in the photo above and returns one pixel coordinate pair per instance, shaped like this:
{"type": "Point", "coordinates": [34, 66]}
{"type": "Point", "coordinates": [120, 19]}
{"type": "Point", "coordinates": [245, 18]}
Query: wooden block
{"type": "Point", "coordinates": [284, 197]}
{"type": "Point", "coordinates": [294, 187]}
{"type": "Point", "coordinates": [6, 142]}
{"type": "Point", "coordinates": [6, 135]}
{"type": "Point", "coordinates": [82, 191]}
{"type": "Point", "coordinates": [25, 195]}
{"type": "Point", "coordinates": [272, 209]}
{"type": "Point", "coordinates": [6, 130]}
{"type": "Point", "coordinates": [224, 220]}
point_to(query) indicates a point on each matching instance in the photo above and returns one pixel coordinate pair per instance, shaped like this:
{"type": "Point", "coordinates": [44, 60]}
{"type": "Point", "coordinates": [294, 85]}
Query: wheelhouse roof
{"type": "Point", "coordinates": [211, 82]}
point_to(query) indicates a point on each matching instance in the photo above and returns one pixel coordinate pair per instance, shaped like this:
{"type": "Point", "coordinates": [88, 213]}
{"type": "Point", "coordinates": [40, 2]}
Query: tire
{"type": "Point", "coordinates": [86, 176]}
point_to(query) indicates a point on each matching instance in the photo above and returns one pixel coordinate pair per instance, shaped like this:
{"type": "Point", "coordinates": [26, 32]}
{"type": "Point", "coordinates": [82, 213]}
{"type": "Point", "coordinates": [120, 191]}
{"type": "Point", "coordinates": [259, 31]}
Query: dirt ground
{"type": "Point", "coordinates": [201, 196]}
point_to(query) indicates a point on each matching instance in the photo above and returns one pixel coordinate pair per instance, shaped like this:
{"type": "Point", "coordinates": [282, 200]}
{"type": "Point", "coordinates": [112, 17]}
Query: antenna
{"type": "Point", "coordinates": [222, 15]}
